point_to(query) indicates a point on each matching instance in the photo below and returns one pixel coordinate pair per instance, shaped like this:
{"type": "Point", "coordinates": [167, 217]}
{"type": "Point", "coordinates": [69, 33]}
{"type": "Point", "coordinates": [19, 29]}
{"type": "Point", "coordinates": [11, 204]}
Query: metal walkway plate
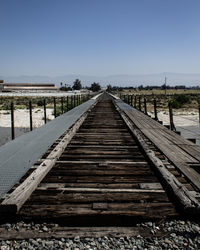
{"type": "Point", "coordinates": [17, 156]}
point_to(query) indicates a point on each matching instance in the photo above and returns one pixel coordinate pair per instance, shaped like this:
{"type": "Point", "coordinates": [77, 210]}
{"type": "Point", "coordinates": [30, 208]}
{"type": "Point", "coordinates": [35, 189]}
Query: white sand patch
{"type": "Point", "coordinates": [22, 120]}
{"type": "Point", "coordinates": [180, 118]}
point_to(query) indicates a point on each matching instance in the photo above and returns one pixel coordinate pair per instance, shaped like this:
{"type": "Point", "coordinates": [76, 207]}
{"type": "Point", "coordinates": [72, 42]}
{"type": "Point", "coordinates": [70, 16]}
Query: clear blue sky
{"type": "Point", "coordinates": [99, 37]}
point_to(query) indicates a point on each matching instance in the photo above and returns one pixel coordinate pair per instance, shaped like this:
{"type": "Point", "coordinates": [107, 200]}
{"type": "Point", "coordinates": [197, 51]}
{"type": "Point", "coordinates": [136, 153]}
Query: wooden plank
{"type": "Point", "coordinates": [90, 185]}
{"type": "Point", "coordinates": [108, 162]}
{"type": "Point", "coordinates": [101, 179]}
{"type": "Point", "coordinates": [109, 151]}
{"type": "Point", "coordinates": [91, 167]}
{"type": "Point", "coordinates": [193, 150]}
{"type": "Point", "coordinates": [105, 147]}
{"type": "Point", "coordinates": [149, 186]}
{"type": "Point", "coordinates": [174, 153]}
{"type": "Point", "coordinates": [83, 232]}
{"type": "Point", "coordinates": [99, 206]}
{"type": "Point", "coordinates": [93, 172]}
{"type": "Point", "coordinates": [187, 202]}
{"type": "Point", "coordinates": [55, 197]}
{"type": "Point", "coordinates": [149, 189]}
{"type": "Point", "coordinates": [170, 150]}
{"type": "Point", "coordinates": [144, 210]}
{"type": "Point", "coordinates": [99, 156]}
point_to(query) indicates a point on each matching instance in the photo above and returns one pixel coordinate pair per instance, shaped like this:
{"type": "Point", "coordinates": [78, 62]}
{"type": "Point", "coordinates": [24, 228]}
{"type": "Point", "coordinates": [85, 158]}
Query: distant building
{"type": "Point", "coordinates": [27, 87]}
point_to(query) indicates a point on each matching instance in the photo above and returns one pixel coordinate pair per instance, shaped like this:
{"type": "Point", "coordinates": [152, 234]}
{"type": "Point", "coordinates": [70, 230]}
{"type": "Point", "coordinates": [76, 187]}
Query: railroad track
{"type": "Point", "coordinates": [104, 170]}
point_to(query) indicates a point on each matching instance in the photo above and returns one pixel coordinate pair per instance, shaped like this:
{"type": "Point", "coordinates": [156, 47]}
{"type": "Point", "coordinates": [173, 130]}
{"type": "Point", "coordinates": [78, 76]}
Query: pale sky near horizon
{"type": "Point", "coordinates": [99, 37]}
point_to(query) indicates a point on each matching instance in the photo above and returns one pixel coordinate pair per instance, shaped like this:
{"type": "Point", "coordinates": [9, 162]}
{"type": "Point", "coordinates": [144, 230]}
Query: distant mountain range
{"type": "Point", "coordinates": [117, 80]}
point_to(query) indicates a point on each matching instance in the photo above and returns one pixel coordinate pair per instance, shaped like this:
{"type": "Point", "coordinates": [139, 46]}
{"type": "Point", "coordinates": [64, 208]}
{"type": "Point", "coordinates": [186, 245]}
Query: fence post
{"type": "Point", "coordinates": [145, 106]}
{"type": "Point", "coordinates": [135, 102]}
{"type": "Point", "coordinates": [45, 112]}
{"type": "Point", "coordinates": [199, 115]}
{"type": "Point", "coordinates": [67, 103]}
{"type": "Point", "coordinates": [54, 104]}
{"type": "Point", "coordinates": [71, 102]}
{"type": "Point", "coordinates": [62, 107]}
{"type": "Point", "coordinates": [139, 99]}
{"type": "Point", "coordinates": [30, 115]}
{"type": "Point", "coordinates": [131, 100]}
{"type": "Point", "coordinates": [12, 121]}
{"type": "Point", "coordinates": [172, 126]}
{"type": "Point", "coordinates": [77, 99]}
{"type": "Point", "coordinates": [155, 110]}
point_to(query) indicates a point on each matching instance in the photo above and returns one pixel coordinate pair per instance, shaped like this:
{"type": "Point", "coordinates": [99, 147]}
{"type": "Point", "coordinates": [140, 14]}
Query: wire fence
{"type": "Point", "coordinates": [32, 112]}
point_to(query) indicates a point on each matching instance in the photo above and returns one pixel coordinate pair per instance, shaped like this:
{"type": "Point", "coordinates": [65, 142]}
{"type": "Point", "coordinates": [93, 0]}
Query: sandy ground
{"type": "Point", "coordinates": [21, 117]}
{"type": "Point", "coordinates": [22, 122]}
{"type": "Point", "coordinates": [180, 118]}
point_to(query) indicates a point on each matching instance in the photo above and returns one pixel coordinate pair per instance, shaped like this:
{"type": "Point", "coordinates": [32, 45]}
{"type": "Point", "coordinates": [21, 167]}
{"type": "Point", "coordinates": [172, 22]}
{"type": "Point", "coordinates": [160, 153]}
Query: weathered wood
{"type": "Point", "coordinates": [71, 232]}
{"type": "Point", "coordinates": [89, 185]}
{"type": "Point", "coordinates": [172, 126]}
{"type": "Point", "coordinates": [50, 197]}
{"type": "Point", "coordinates": [164, 139]}
{"type": "Point", "coordinates": [145, 188]}
{"type": "Point", "coordinates": [187, 202]}
{"type": "Point", "coordinates": [144, 210]}
{"type": "Point", "coordinates": [105, 162]}
{"type": "Point", "coordinates": [100, 206]}
{"type": "Point", "coordinates": [102, 179]}
{"type": "Point", "coordinates": [155, 110]}
{"type": "Point", "coordinates": [90, 172]}
{"type": "Point", "coordinates": [151, 186]}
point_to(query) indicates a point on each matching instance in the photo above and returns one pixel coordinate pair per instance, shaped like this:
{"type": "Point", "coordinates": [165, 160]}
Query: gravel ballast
{"type": "Point", "coordinates": [177, 234]}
